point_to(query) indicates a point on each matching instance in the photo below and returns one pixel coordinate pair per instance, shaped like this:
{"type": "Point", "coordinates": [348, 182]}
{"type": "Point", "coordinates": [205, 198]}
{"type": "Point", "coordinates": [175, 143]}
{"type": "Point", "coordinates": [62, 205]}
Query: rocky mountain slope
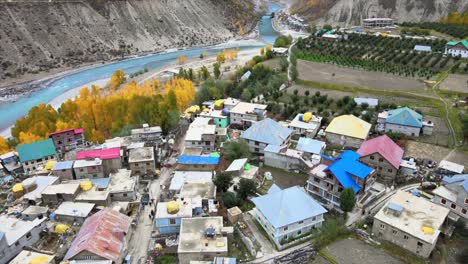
{"type": "Point", "coordinates": [351, 12]}
{"type": "Point", "coordinates": [36, 36]}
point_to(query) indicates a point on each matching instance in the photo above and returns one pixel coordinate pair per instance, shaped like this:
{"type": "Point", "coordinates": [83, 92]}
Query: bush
{"type": "Point", "coordinates": [223, 181]}
{"type": "Point", "coordinates": [230, 200]}
{"type": "Point", "coordinates": [332, 229]}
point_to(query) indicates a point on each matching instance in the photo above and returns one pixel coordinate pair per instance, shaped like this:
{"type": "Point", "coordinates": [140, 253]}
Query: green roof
{"type": "Point", "coordinates": [463, 42]}
{"type": "Point", "coordinates": [36, 150]}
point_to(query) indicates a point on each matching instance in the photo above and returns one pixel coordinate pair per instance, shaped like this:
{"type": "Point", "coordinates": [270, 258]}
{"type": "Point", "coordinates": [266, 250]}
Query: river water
{"type": "Point", "coordinates": [12, 111]}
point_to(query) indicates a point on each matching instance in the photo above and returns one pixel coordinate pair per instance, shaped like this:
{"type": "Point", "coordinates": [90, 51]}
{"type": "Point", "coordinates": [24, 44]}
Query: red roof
{"type": "Point", "coordinates": [102, 234]}
{"type": "Point", "coordinates": [75, 131]}
{"type": "Point", "coordinates": [103, 154]}
{"type": "Point", "coordinates": [385, 146]}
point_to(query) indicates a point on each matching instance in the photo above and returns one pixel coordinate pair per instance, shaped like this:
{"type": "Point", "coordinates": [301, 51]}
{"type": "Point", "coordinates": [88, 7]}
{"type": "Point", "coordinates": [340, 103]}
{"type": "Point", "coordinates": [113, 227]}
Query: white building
{"type": "Point", "coordinates": [453, 194]}
{"type": "Point", "coordinates": [405, 121]}
{"type": "Point", "coordinates": [307, 128]}
{"type": "Point", "coordinates": [28, 257]}
{"type": "Point", "coordinates": [88, 168]}
{"type": "Point", "coordinates": [147, 134]}
{"type": "Point", "coordinates": [182, 177]}
{"type": "Point", "coordinates": [122, 186]}
{"type": "Point", "coordinates": [141, 161]}
{"type": "Point", "coordinates": [71, 212]}
{"type": "Point", "coordinates": [377, 22]}
{"type": "Point", "coordinates": [246, 113]}
{"type": "Point", "coordinates": [457, 48]}
{"type": "Point", "coordinates": [201, 133]}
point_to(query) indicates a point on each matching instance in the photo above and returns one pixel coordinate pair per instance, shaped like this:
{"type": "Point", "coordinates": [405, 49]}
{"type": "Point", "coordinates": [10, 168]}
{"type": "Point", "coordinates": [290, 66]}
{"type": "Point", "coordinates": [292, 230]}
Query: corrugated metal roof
{"type": "Point", "coordinates": [273, 148]}
{"type": "Point", "coordinates": [36, 150]}
{"type": "Point", "coordinates": [385, 147]}
{"type": "Point", "coordinates": [237, 164]}
{"type": "Point", "coordinates": [404, 116]}
{"type": "Point", "coordinates": [464, 42]}
{"type": "Point", "coordinates": [267, 131]}
{"type": "Point", "coordinates": [310, 145]}
{"type": "Point", "coordinates": [102, 234]}
{"type": "Point", "coordinates": [192, 159]}
{"type": "Point", "coordinates": [422, 48]}
{"type": "Point", "coordinates": [287, 206]}
{"type": "Point", "coordinates": [372, 102]}
{"type": "Point", "coordinates": [349, 125]}
{"type": "Point", "coordinates": [75, 131]}
{"type": "Point", "coordinates": [63, 165]}
{"type": "Point", "coordinates": [104, 154]}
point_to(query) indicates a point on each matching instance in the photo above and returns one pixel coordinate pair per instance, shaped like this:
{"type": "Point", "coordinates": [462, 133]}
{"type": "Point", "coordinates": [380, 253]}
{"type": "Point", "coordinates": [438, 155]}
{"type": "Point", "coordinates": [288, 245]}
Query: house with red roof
{"type": "Point", "coordinates": [103, 236]}
{"type": "Point", "coordinates": [384, 155]}
{"type": "Point", "coordinates": [67, 139]}
{"type": "Point", "coordinates": [111, 158]}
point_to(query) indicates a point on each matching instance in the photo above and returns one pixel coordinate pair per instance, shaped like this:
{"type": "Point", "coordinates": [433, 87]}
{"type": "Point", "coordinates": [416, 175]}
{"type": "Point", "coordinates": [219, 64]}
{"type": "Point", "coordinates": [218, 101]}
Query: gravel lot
{"type": "Point", "coordinates": [322, 73]}
{"type": "Point", "coordinates": [455, 82]}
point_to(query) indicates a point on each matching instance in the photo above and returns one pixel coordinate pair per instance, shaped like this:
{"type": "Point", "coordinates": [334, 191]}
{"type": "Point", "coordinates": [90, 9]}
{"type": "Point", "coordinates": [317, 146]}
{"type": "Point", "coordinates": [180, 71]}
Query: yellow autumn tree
{"type": "Point", "coordinates": [27, 137]}
{"type": "Point", "coordinates": [241, 31]}
{"type": "Point", "coordinates": [117, 79]}
{"type": "Point", "coordinates": [262, 51]}
{"type": "Point", "coordinates": [4, 147]}
{"type": "Point", "coordinates": [183, 90]}
{"type": "Point", "coordinates": [268, 47]}
{"type": "Point", "coordinates": [181, 59]}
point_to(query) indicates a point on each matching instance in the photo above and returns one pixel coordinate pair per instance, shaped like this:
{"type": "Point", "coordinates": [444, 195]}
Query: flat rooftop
{"type": "Point", "coordinates": [26, 256]}
{"type": "Point", "coordinates": [193, 239]}
{"type": "Point", "coordinates": [63, 188]}
{"type": "Point", "coordinates": [74, 209]}
{"type": "Point", "coordinates": [185, 210]}
{"type": "Point", "coordinates": [247, 108]}
{"type": "Point", "coordinates": [198, 189]}
{"type": "Point", "coordinates": [141, 154]}
{"type": "Point", "coordinates": [416, 213]}
{"type": "Point", "coordinates": [147, 130]}
{"type": "Point", "coordinates": [92, 195]}
{"type": "Point", "coordinates": [182, 177]}
{"type": "Point", "coordinates": [14, 228]}
{"type": "Point", "coordinates": [313, 123]}
{"type": "Point", "coordinates": [87, 163]}
{"type": "Point", "coordinates": [121, 181]}
{"type": "Point", "coordinates": [34, 210]}
{"type": "Point", "coordinates": [199, 127]}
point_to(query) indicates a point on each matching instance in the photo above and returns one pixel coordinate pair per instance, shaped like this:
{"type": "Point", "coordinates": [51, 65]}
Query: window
{"type": "Point", "coordinates": [420, 244]}
{"type": "Point", "coordinates": [463, 211]}
{"type": "Point", "coordinates": [380, 168]}
{"type": "Point", "coordinates": [257, 143]}
{"type": "Point", "coordinates": [372, 157]}
{"type": "Point", "coordinates": [443, 201]}
{"type": "Point", "coordinates": [405, 237]}
{"type": "Point", "coordinates": [26, 163]}
{"type": "Point", "coordinates": [125, 195]}
{"type": "Point", "coordinates": [466, 199]}
{"type": "Point", "coordinates": [94, 175]}
{"type": "Point", "coordinates": [380, 160]}
{"type": "Point", "coordinates": [172, 221]}
{"type": "Point", "coordinates": [453, 206]}
{"type": "Point", "coordinates": [136, 164]}
{"type": "Point", "coordinates": [46, 158]}
{"type": "Point", "coordinates": [299, 232]}
{"type": "Point", "coordinates": [147, 163]}
{"type": "Point", "coordinates": [207, 143]}
{"type": "Point", "coordinates": [81, 169]}
{"type": "Point", "coordinates": [285, 229]}
{"type": "Point", "coordinates": [317, 180]}
{"type": "Point", "coordinates": [94, 167]}
{"type": "Point", "coordinates": [382, 226]}
{"type": "Point", "coordinates": [257, 150]}
{"type": "Point", "coordinates": [394, 231]}
{"type": "Point", "coordinates": [17, 243]}
{"type": "Point", "coordinates": [301, 222]}
{"type": "Point", "coordinates": [390, 170]}
{"type": "Point", "coordinates": [28, 236]}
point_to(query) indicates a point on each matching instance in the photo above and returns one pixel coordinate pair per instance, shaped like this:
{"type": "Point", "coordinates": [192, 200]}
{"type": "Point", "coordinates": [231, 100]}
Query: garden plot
{"type": "Point", "coordinates": [456, 83]}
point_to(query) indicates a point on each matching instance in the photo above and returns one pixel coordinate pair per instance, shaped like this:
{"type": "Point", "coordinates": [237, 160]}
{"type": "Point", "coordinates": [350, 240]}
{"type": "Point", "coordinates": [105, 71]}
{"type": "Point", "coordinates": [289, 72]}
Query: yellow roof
{"type": "Point", "coordinates": [18, 187]}
{"type": "Point", "coordinates": [349, 125]}
{"type": "Point", "coordinates": [61, 229]}
{"type": "Point", "coordinates": [50, 164]}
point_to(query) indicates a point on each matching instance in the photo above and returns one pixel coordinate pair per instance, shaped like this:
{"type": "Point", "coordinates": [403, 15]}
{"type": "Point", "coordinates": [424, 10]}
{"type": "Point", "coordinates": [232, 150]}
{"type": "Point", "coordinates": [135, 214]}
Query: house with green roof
{"type": "Point", "coordinates": [457, 48]}
{"type": "Point", "coordinates": [36, 154]}
{"type": "Point", "coordinates": [404, 120]}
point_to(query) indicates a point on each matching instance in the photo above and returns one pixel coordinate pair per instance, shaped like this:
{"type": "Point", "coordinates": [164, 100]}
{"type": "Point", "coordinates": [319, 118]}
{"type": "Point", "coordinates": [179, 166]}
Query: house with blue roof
{"type": "Point", "coordinates": [404, 120]}
{"type": "Point", "coordinates": [329, 179]}
{"type": "Point", "coordinates": [264, 133]}
{"type": "Point", "coordinates": [197, 163]}
{"type": "Point", "coordinates": [64, 170]}
{"type": "Point", "coordinates": [453, 194]}
{"type": "Point", "coordinates": [287, 214]}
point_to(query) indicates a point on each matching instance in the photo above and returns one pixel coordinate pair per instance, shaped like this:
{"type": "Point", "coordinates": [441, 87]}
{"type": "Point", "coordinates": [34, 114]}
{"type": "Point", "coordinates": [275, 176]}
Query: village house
{"type": "Point", "coordinates": [230, 103]}
{"type": "Point", "coordinates": [64, 170]}
{"type": "Point", "coordinates": [405, 121]}
{"type": "Point", "coordinates": [457, 48]}
{"type": "Point", "coordinates": [287, 214]}
{"type": "Point", "coordinates": [169, 216]}
{"type": "Point", "coordinates": [197, 163]}
{"type": "Point", "coordinates": [111, 158]}
{"type": "Point", "coordinates": [88, 169]}
{"type": "Point", "coordinates": [72, 213]}
{"type": "Point", "coordinates": [306, 125]}
{"type": "Point", "coordinates": [52, 195]}
{"type": "Point", "coordinates": [141, 162]}
{"type": "Point", "coordinates": [327, 181]}
{"type": "Point", "coordinates": [448, 168]}
{"type": "Point", "coordinates": [264, 133]}
{"type": "Point", "coordinates": [97, 194]}
{"type": "Point", "coordinates": [453, 194]}
{"type": "Point", "coordinates": [220, 117]}
{"type": "Point", "coordinates": [31, 257]}
{"type": "Point", "coordinates": [147, 134]}
{"type": "Point", "coordinates": [410, 222]}
{"type": "Point", "coordinates": [377, 22]}
{"type": "Point", "coordinates": [245, 114]}
{"type": "Point", "coordinates": [15, 234]}
{"type": "Point", "coordinates": [201, 133]}
{"type": "Point", "coordinates": [122, 186]}
{"type": "Point", "coordinates": [181, 177]}
{"type": "Point", "coordinates": [287, 159]}
{"type": "Point", "coordinates": [202, 239]}
{"type": "Point", "coordinates": [371, 102]}
{"type": "Point", "coordinates": [33, 212]}
{"type": "Point", "coordinates": [103, 236]}
{"type": "Point", "coordinates": [11, 163]}
{"type": "Point", "coordinates": [67, 139]}
{"type": "Point", "coordinates": [384, 156]}
{"type": "Point", "coordinates": [240, 169]}
{"type": "Point", "coordinates": [34, 186]}
{"type": "Point", "coordinates": [311, 148]}
{"type": "Point", "coordinates": [347, 131]}
{"type": "Point", "coordinates": [35, 155]}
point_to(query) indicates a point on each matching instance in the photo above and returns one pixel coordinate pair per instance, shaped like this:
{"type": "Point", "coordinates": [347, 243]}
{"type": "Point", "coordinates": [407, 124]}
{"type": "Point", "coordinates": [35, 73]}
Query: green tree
{"type": "Point", "coordinates": [230, 200]}
{"type": "Point", "coordinates": [246, 188]}
{"type": "Point", "coordinates": [223, 181]}
{"type": "Point", "coordinates": [216, 70]}
{"type": "Point", "coordinates": [233, 150]}
{"type": "Point", "coordinates": [347, 200]}
{"type": "Point", "coordinates": [284, 64]}
{"type": "Point", "coordinates": [327, 27]}
{"type": "Point", "coordinates": [205, 73]}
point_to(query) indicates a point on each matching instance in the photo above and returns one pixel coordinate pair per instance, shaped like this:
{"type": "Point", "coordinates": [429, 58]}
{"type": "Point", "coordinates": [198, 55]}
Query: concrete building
{"type": "Point", "coordinates": [147, 134]}
{"type": "Point", "coordinates": [371, 102]}
{"type": "Point", "coordinates": [453, 194]}
{"type": "Point", "coordinates": [377, 22]}
{"type": "Point", "coordinates": [287, 214]}
{"type": "Point", "coordinates": [71, 212]}
{"type": "Point", "coordinates": [169, 216]}
{"type": "Point", "coordinates": [182, 177]}
{"type": "Point", "coordinates": [33, 212]}
{"type": "Point", "coordinates": [347, 131]}
{"type": "Point", "coordinates": [448, 168]}
{"type": "Point", "coordinates": [201, 133]}
{"type": "Point", "coordinates": [31, 257]}
{"type": "Point", "coordinates": [53, 195]}
{"type": "Point", "coordinates": [230, 103]}
{"type": "Point", "coordinates": [88, 169]}
{"type": "Point", "coordinates": [405, 121]}
{"type": "Point", "coordinates": [345, 171]}
{"type": "Point", "coordinates": [384, 156]}
{"type": "Point", "coordinates": [35, 155]}
{"type": "Point", "coordinates": [198, 190]}
{"type": "Point", "coordinates": [103, 236]}
{"type": "Point", "coordinates": [97, 196]}
{"type": "Point", "coordinates": [67, 139]}
{"type": "Point", "coordinates": [10, 162]}
{"type": "Point", "coordinates": [286, 159]}
{"type": "Point", "coordinates": [141, 162]}
{"type": "Point", "coordinates": [457, 48]}
{"type": "Point", "coordinates": [64, 170]}
{"type": "Point", "coordinates": [245, 114]}
{"type": "Point", "coordinates": [410, 222]}
{"type": "Point", "coordinates": [197, 163]}
{"type": "Point", "coordinates": [264, 133]}
{"type": "Point", "coordinates": [305, 128]}
{"type": "Point", "coordinates": [240, 169]}
{"type": "Point", "coordinates": [122, 186]}
{"type": "Point", "coordinates": [311, 148]}
{"type": "Point", "coordinates": [202, 239]}
{"type": "Point", "coordinates": [220, 117]}
{"type": "Point", "coordinates": [111, 158]}
{"type": "Point", "coordinates": [15, 234]}
{"type": "Point", "coordinates": [34, 186]}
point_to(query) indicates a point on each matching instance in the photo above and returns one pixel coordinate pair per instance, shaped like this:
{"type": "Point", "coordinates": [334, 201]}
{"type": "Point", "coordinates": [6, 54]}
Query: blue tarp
{"type": "Point", "coordinates": [192, 159]}
{"type": "Point", "coordinates": [461, 179]}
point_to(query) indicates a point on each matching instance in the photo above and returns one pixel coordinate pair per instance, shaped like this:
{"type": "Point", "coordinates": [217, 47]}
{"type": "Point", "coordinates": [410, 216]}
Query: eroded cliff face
{"type": "Point", "coordinates": [39, 36]}
{"type": "Point", "coordinates": [351, 12]}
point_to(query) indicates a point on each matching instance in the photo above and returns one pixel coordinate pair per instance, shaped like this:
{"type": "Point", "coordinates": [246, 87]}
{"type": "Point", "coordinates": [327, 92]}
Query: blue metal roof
{"type": "Point", "coordinates": [348, 165]}
{"type": "Point", "coordinates": [287, 206]}
{"type": "Point", "coordinates": [310, 145]}
{"type": "Point", "coordinates": [461, 179]}
{"type": "Point", "coordinates": [267, 131]}
{"type": "Point", "coordinates": [404, 116]}
{"type": "Point", "coordinates": [223, 260]}
{"type": "Point", "coordinates": [101, 183]}
{"type": "Point", "coordinates": [422, 48]}
{"type": "Point", "coordinates": [192, 159]}
{"type": "Point", "coordinates": [327, 157]}
{"type": "Point", "coordinates": [63, 165]}
{"type": "Point", "coordinates": [272, 148]}
{"type": "Point", "coordinates": [274, 188]}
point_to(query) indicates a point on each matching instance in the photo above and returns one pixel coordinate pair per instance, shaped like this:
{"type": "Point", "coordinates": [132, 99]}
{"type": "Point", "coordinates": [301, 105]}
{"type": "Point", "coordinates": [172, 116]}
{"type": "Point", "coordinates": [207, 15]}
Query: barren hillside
{"type": "Point", "coordinates": [36, 36]}
{"type": "Point", "coordinates": [350, 12]}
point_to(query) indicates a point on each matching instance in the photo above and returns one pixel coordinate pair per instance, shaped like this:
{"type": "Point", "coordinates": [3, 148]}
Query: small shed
{"type": "Point", "coordinates": [234, 214]}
